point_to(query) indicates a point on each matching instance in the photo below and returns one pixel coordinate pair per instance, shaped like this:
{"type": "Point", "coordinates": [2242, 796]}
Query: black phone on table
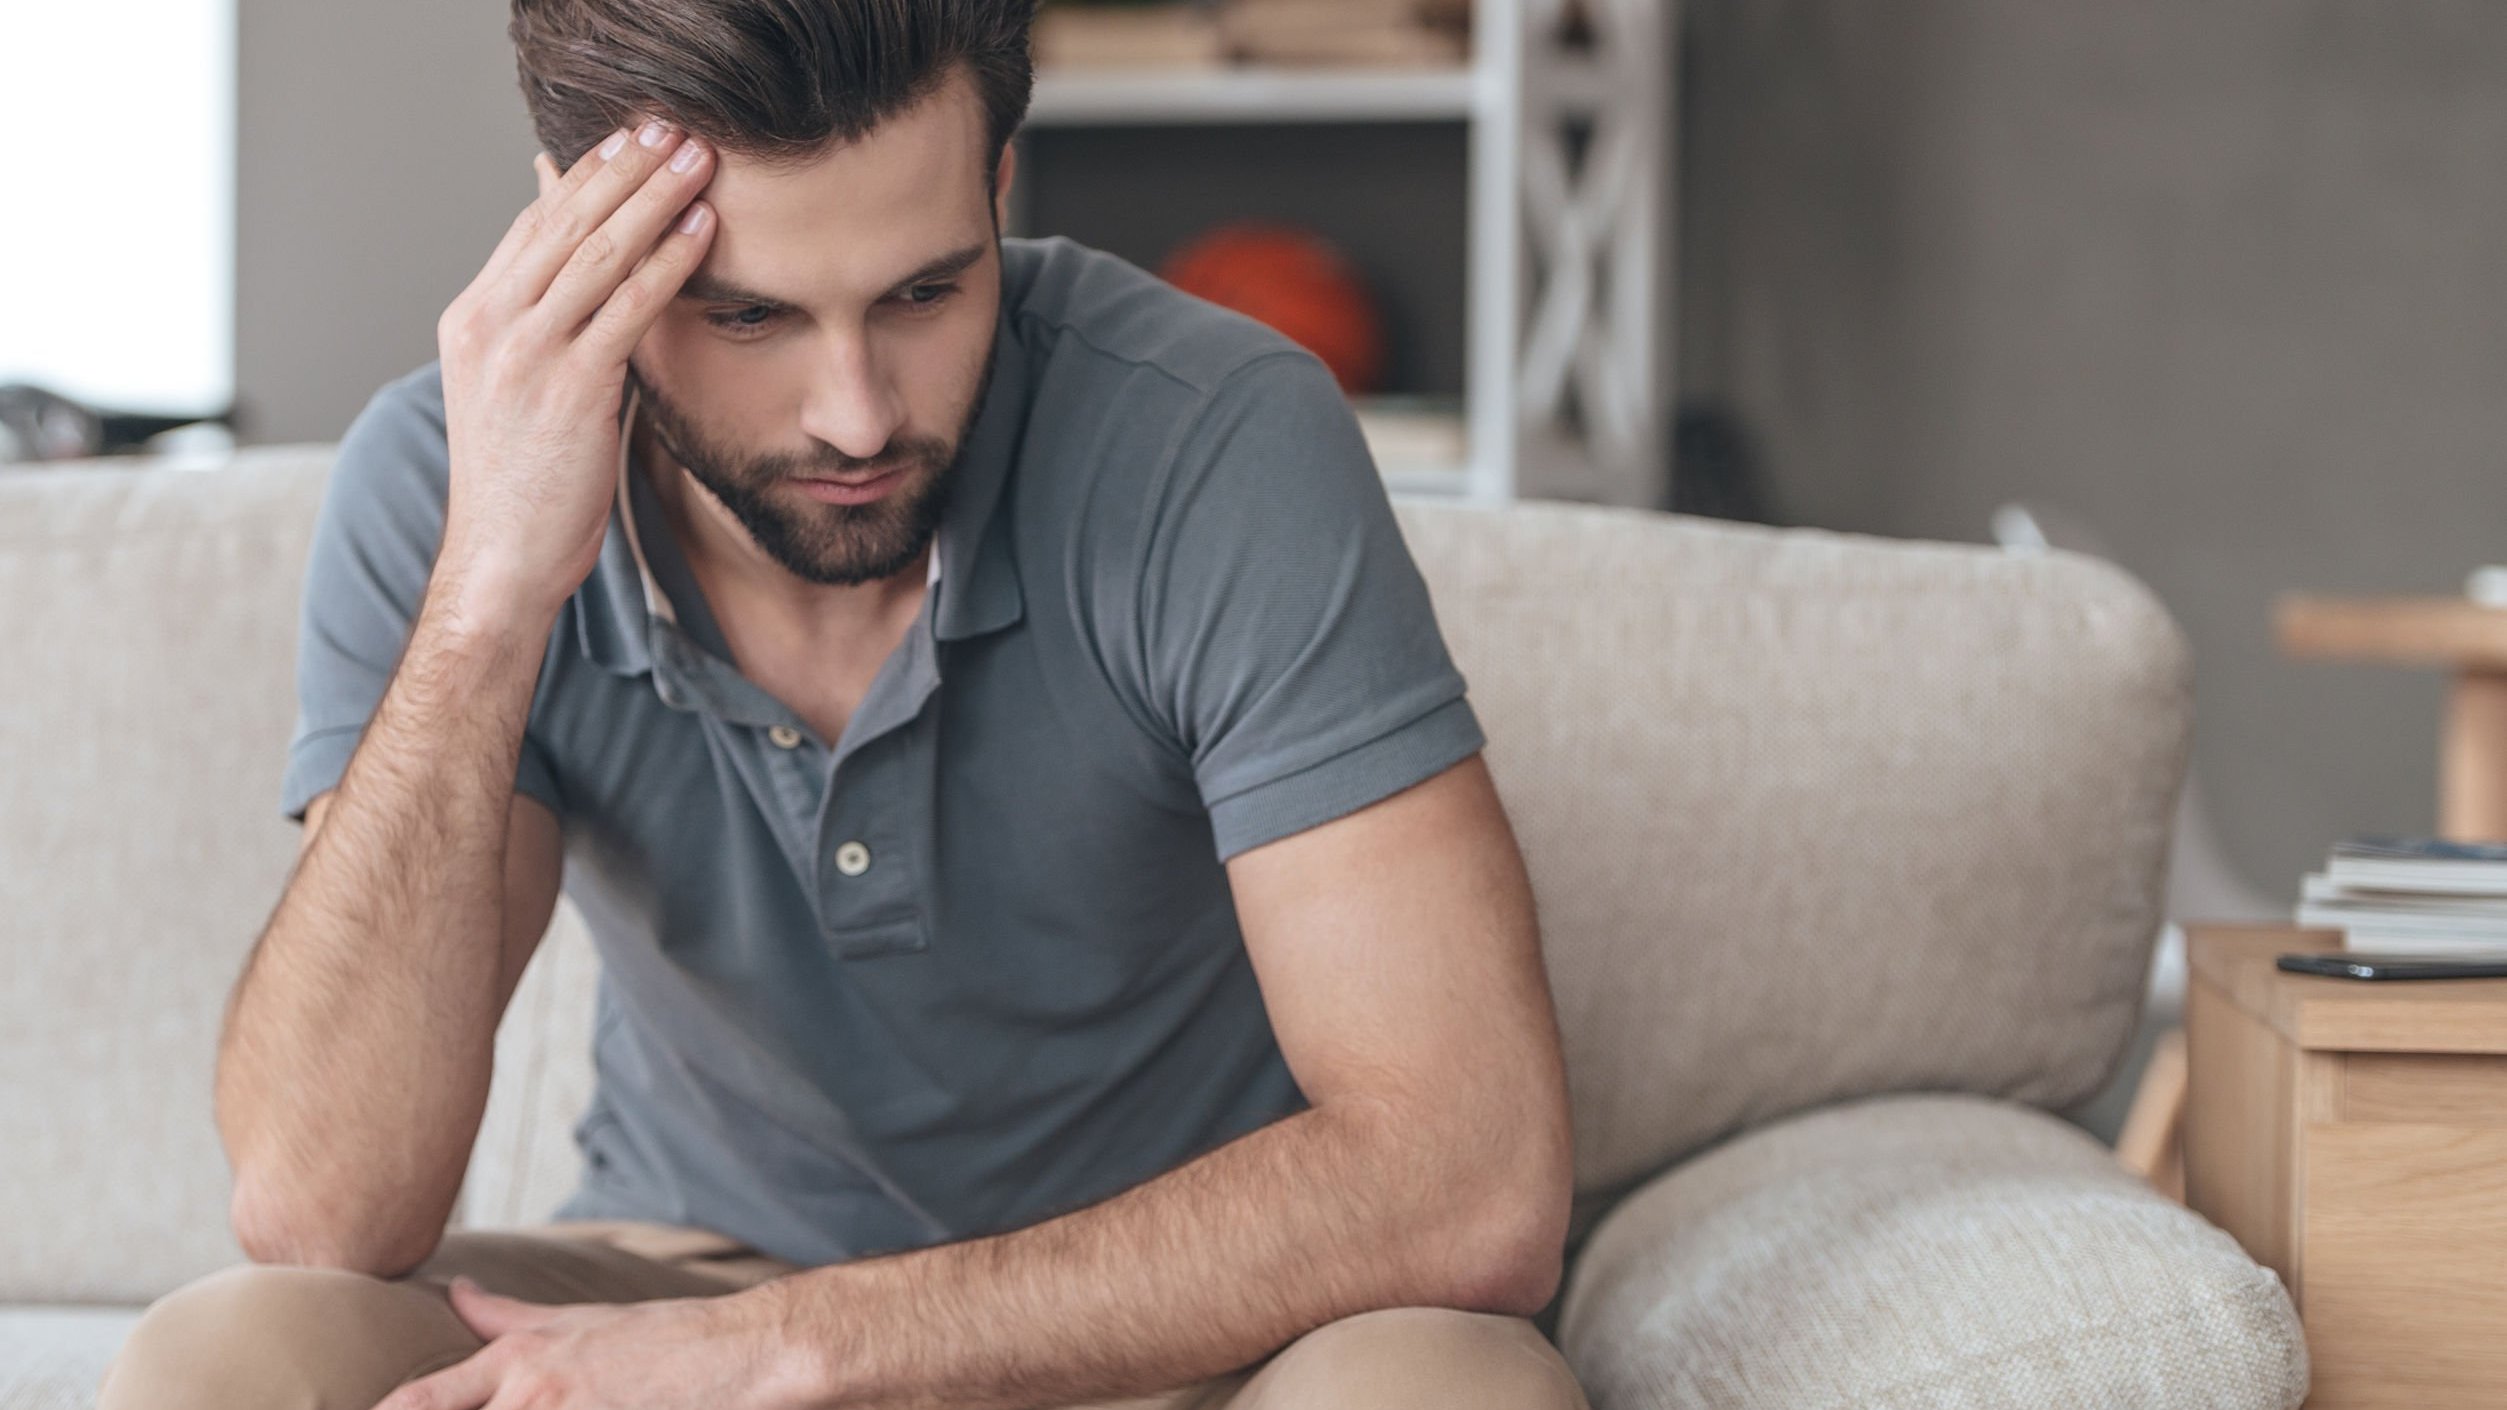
{"type": "Point", "coordinates": [2349, 965]}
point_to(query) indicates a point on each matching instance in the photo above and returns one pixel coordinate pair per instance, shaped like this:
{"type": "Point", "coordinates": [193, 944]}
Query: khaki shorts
{"type": "Point", "coordinates": [261, 1335]}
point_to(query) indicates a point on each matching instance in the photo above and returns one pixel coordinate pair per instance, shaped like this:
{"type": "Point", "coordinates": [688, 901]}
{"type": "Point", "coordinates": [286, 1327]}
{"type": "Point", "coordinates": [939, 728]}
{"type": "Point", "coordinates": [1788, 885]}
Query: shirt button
{"type": "Point", "coordinates": [853, 859]}
{"type": "Point", "coordinates": [784, 736]}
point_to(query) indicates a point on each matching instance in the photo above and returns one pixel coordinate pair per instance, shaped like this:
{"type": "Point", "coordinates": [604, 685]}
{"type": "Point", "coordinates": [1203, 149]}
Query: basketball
{"type": "Point", "coordinates": [1295, 281]}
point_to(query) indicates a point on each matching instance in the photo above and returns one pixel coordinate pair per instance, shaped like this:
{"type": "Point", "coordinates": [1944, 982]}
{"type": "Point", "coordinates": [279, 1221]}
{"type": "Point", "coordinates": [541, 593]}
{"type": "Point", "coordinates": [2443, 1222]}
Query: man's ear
{"type": "Point", "coordinates": [544, 167]}
{"type": "Point", "coordinates": [1001, 178]}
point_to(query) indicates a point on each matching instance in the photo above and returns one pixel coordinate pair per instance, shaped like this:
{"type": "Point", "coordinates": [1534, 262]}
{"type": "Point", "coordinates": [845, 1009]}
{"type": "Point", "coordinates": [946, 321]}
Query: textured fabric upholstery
{"type": "Point", "coordinates": [149, 638]}
{"type": "Point", "coordinates": [1812, 816]}
{"type": "Point", "coordinates": [1922, 1253]}
{"type": "Point", "coordinates": [52, 1357]}
{"type": "Point", "coordinates": [153, 620]}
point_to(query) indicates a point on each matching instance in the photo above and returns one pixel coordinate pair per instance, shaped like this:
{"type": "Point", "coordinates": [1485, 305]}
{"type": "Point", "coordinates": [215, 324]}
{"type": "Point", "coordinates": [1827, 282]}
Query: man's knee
{"type": "Point", "coordinates": [257, 1335]}
{"type": "Point", "coordinates": [1416, 1358]}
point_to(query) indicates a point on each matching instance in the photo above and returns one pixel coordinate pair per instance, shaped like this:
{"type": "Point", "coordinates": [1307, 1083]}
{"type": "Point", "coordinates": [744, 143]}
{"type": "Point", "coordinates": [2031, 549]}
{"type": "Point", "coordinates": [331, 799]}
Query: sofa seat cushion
{"type": "Point", "coordinates": [52, 1357]}
{"type": "Point", "coordinates": [1945, 1252]}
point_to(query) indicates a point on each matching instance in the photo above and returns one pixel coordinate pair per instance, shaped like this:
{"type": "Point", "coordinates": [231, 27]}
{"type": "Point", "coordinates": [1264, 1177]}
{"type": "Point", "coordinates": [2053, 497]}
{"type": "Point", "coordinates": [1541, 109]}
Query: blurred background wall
{"type": "Point", "coordinates": [2224, 278]}
{"type": "Point", "coordinates": [381, 150]}
{"type": "Point", "coordinates": [2227, 278]}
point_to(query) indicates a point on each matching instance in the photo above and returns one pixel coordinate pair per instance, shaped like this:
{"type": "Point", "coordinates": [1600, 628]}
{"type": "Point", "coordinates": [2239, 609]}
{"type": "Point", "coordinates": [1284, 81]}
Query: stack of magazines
{"type": "Point", "coordinates": [2395, 896]}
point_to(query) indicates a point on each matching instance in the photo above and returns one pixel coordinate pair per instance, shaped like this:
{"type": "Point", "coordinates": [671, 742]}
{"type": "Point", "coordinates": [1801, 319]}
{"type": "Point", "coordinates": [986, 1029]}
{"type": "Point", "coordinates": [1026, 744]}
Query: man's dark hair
{"type": "Point", "coordinates": [777, 81]}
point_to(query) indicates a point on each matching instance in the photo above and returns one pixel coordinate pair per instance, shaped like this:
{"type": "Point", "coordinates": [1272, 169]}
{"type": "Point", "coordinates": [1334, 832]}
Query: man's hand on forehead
{"type": "Point", "coordinates": [535, 361]}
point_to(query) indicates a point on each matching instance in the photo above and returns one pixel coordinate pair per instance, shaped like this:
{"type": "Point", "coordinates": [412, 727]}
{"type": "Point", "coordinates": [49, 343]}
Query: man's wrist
{"type": "Point", "coordinates": [484, 614]}
{"type": "Point", "coordinates": [799, 1352]}
{"type": "Point", "coordinates": [498, 582]}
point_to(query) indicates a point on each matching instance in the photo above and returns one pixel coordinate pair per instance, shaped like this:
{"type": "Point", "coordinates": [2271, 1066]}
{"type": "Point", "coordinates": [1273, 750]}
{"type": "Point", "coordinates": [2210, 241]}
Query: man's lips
{"type": "Point", "coordinates": [859, 489]}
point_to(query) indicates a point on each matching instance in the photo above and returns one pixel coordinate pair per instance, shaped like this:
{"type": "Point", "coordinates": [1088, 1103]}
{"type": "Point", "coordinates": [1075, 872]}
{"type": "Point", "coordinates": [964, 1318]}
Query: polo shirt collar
{"type": "Point", "coordinates": [613, 624]}
{"type": "Point", "coordinates": [980, 591]}
{"type": "Point", "coordinates": [974, 574]}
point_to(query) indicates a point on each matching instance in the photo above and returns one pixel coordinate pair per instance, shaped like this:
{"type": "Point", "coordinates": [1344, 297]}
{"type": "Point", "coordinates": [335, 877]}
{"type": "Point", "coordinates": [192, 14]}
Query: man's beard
{"type": "Point", "coordinates": [839, 545]}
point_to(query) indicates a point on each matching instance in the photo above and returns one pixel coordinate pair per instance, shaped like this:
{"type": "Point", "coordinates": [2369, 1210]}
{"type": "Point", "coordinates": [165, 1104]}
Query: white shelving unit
{"type": "Point", "coordinates": [1125, 96]}
{"type": "Point", "coordinates": [1566, 380]}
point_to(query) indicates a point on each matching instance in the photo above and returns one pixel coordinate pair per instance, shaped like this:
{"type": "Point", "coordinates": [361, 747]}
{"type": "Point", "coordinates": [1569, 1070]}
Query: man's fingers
{"type": "Point", "coordinates": [607, 255]}
{"type": "Point", "coordinates": [554, 189]}
{"type": "Point", "coordinates": [635, 304]}
{"type": "Point", "coordinates": [491, 1315]}
{"type": "Point", "coordinates": [559, 223]}
{"type": "Point", "coordinates": [464, 1385]}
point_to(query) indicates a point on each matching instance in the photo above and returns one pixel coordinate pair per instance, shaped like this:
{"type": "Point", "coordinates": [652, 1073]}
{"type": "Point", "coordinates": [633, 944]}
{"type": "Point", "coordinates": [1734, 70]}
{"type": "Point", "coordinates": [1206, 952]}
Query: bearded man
{"type": "Point", "coordinates": [1059, 940]}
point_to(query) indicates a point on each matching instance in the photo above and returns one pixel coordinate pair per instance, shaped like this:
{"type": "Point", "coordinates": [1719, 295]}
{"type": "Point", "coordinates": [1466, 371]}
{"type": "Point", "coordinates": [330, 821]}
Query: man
{"type": "Point", "coordinates": [1060, 943]}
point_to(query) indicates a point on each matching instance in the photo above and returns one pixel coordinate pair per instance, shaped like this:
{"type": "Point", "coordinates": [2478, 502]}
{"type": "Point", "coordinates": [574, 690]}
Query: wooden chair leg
{"type": "Point", "coordinates": [2152, 1143]}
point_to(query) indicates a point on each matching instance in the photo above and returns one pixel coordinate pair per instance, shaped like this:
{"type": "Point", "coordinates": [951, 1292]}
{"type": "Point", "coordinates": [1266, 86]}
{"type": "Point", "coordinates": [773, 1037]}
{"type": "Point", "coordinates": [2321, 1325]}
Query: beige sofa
{"type": "Point", "coordinates": [1848, 856]}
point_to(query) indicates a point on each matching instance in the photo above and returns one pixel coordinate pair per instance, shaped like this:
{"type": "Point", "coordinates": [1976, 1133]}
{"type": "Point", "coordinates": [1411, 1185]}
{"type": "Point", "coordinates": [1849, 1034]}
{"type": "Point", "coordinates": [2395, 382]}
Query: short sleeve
{"type": "Point", "coordinates": [374, 545]}
{"type": "Point", "coordinates": [1293, 648]}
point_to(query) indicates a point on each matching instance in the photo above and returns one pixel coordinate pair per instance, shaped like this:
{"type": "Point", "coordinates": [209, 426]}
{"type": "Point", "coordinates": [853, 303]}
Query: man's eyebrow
{"type": "Point", "coordinates": [948, 266]}
{"type": "Point", "coordinates": [712, 289]}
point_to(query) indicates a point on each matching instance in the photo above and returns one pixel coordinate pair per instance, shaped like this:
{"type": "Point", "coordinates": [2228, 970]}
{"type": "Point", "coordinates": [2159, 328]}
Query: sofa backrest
{"type": "Point", "coordinates": [147, 644]}
{"type": "Point", "coordinates": [1813, 816]}
{"type": "Point", "coordinates": [1808, 816]}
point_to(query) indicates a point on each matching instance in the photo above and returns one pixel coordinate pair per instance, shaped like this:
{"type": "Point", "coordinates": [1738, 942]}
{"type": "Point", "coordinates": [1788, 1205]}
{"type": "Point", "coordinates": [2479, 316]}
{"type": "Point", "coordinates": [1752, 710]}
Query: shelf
{"type": "Point", "coordinates": [1421, 445]}
{"type": "Point", "coordinates": [1419, 480]}
{"type": "Point", "coordinates": [1154, 97]}
{"type": "Point", "coordinates": [1564, 144]}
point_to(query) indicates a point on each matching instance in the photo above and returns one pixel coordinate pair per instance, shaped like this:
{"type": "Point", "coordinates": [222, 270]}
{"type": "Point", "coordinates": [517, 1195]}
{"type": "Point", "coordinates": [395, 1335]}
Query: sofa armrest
{"type": "Point", "coordinates": [1931, 1251]}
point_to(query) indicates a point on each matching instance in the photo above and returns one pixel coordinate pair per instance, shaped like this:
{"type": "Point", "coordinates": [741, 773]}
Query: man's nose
{"type": "Point", "coordinates": [852, 405]}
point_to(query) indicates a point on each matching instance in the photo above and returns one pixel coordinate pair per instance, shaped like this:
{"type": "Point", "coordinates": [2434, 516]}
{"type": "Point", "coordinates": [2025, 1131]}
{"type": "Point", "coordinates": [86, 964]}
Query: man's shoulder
{"type": "Point", "coordinates": [420, 389]}
{"type": "Point", "coordinates": [1133, 384]}
{"type": "Point", "coordinates": [390, 474]}
{"type": "Point", "coordinates": [1096, 319]}
{"type": "Point", "coordinates": [1160, 423]}
{"type": "Point", "coordinates": [400, 432]}
{"type": "Point", "coordinates": [411, 404]}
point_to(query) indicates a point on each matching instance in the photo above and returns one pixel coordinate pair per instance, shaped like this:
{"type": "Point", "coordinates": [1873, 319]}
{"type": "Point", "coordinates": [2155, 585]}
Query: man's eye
{"type": "Point", "coordinates": [742, 320]}
{"type": "Point", "coordinates": [926, 295]}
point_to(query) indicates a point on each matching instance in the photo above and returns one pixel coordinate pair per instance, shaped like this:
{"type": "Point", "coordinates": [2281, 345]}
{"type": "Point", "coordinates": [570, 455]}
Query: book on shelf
{"type": "Point", "coordinates": [1153, 37]}
{"type": "Point", "coordinates": [2419, 864]}
{"type": "Point", "coordinates": [2411, 896]}
{"type": "Point", "coordinates": [1320, 34]}
{"type": "Point", "coordinates": [1391, 33]}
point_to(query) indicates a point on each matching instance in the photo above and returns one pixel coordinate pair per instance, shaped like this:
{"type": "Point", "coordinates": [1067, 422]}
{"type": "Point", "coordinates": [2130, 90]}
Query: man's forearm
{"type": "Point", "coordinates": [354, 1063]}
{"type": "Point", "coordinates": [1322, 1215]}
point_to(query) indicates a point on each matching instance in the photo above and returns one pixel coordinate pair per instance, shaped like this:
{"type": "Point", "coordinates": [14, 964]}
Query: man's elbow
{"type": "Point", "coordinates": [1512, 1255]}
{"type": "Point", "coordinates": [271, 1229]}
{"type": "Point", "coordinates": [1505, 1224]}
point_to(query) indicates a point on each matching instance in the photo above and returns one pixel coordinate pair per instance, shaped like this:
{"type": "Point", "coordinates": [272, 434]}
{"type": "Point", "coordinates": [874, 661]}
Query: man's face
{"type": "Point", "coordinates": [820, 370]}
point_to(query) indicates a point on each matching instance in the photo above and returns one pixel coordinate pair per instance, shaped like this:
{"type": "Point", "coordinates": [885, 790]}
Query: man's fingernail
{"type": "Point", "coordinates": [652, 135]}
{"type": "Point", "coordinates": [617, 143]}
{"type": "Point", "coordinates": [686, 157]}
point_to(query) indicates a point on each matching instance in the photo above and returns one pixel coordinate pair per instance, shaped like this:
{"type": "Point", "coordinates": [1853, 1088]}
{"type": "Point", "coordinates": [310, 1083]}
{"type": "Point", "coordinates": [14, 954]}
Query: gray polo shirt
{"type": "Point", "coordinates": [975, 962]}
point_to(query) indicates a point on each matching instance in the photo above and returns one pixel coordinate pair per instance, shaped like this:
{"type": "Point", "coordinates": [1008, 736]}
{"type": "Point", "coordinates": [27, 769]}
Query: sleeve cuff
{"type": "Point", "coordinates": [316, 761]}
{"type": "Point", "coordinates": [1348, 781]}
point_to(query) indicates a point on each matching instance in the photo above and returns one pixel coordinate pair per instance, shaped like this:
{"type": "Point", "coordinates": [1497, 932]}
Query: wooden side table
{"type": "Point", "coordinates": [2353, 1136]}
{"type": "Point", "coordinates": [2454, 633]}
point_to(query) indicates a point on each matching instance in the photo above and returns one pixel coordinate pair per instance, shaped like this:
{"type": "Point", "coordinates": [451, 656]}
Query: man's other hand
{"type": "Point", "coordinates": [694, 1353]}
